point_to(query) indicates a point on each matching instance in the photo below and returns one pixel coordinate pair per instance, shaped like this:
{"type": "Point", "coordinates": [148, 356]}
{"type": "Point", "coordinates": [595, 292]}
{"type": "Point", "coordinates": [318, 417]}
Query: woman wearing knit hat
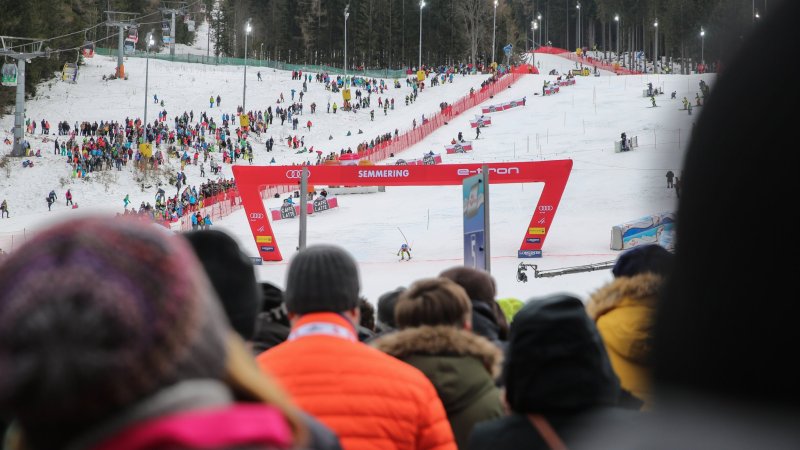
{"type": "Point", "coordinates": [111, 337]}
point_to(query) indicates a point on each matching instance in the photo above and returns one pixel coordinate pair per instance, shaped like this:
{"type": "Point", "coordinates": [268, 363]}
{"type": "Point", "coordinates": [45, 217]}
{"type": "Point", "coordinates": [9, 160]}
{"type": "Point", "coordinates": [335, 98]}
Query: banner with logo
{"type": "Point", "coordinates": [460, 147]}
{"type": "Point", "coordinates": [349, 159]}
{"type": "Point", "coordinates": [480, 121]}
{"type": "Point", "coordinates": [428, 159]}
{"type": "Point", "coordinates": [503, 106]}
{"type": "Point", "coordinates": [290, 210]}
{"type": "Point", "coordinates": [474, 221]}
{"type": "Point", "coordinates": [553, 174]}
{"type": "Point", "coordinates": [646, 230]}
{"type": "Point", "coordinates": [551, 89]}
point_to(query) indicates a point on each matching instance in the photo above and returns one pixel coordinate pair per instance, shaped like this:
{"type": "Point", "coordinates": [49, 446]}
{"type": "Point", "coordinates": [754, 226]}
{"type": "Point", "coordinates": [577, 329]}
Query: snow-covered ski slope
{"type": "Point", "coordinates": [580, 123]}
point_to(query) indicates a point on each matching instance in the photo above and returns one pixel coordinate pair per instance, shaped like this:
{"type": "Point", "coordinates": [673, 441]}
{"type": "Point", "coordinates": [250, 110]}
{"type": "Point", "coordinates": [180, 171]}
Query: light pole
{"type": "Point", "coordinates": [346, 15]}
{"type": "Point", "coordinates": [244, 89]}
{"type": "Point", "coordinates": [578, 28]}
{"type": "Point", "coordinates": [261, 52]}
{"type": "Point", "coordinates": [494, 28]}
{"type": "Point", "coordinates": [702, 45]}
{"type": "Point", "coordinates": [421, 5]}
{"type": "Point", "coordinates": [539, 17]}
{"type": "Point", "coordinates": [147, 44]}
{"type": "Point", "coordinates": [534, 26]}
{"type": "Point", "coordinates": [655, 53]}
{"type": "Point", "coordinates": [616, 19]}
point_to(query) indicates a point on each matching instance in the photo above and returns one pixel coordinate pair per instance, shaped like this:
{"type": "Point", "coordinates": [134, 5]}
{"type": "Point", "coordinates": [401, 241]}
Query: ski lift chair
{"type": "Point", "coordinates": [133, 34]}
{"type": "Point", "coordinates": [88, 49]}
{"type": "Point", "coordinates": [9, 75]}
{"type": "Point", "coordinates": [70, 73]}
{"type": "Point", "coordinates": [129, 47]}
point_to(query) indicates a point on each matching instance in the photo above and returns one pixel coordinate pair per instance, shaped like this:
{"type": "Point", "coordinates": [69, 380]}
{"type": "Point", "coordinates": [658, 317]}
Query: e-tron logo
{"type": "Point", "coordinates": [296, 174]}
{"type": "Point", "coordinates": [492, 170]}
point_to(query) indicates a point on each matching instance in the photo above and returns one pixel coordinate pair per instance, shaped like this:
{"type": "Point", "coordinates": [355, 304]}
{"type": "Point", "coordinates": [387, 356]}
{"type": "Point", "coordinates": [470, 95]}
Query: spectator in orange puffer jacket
{"type": "Point", "coordinates": [370, 399]}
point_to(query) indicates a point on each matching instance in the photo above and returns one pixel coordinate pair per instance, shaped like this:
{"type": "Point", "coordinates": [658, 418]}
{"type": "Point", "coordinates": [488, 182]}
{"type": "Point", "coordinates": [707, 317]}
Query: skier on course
{"type": "Point", "coordinates": [404, 250]}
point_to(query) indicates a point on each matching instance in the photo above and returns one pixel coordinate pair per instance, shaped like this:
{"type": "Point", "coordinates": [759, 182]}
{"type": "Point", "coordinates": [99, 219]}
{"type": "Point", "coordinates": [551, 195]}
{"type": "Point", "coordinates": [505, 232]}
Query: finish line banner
{"type": "Point", "coordinates": [553, 174]}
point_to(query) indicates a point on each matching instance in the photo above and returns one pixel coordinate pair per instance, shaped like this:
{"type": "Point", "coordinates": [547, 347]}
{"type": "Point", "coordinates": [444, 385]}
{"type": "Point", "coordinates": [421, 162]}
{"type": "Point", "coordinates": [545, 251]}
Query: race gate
{"type": "Point", "coordinates": [554, 175]}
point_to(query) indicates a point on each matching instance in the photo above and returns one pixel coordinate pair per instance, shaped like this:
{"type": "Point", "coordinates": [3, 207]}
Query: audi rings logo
{"type": "Point", "coordinates": [256, 216]}
{"type": "Point", "coordinates": [545, 208]}
{"type": "Point", "coordinates": [296, 174]}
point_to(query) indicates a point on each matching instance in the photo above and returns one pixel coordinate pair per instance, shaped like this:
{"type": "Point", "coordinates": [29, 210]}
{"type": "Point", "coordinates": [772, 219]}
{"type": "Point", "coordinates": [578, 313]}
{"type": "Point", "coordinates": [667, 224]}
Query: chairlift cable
{"type": "Point", "coordinates": [83, 30]}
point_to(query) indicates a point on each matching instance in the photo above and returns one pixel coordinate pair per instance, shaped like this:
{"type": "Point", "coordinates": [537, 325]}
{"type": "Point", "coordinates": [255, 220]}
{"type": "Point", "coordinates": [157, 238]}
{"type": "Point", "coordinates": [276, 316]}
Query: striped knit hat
{"type": "Point", "coordinates": [96, 314]}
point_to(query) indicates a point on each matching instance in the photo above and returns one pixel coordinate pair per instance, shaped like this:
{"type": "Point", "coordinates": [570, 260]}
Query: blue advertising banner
{"type": "Point", "coordinates": [474, 222]}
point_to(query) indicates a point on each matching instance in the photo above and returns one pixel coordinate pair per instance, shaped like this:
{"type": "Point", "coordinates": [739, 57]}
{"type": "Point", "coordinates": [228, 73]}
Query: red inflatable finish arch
{"type": "Point", "coordinates": [554, 175]}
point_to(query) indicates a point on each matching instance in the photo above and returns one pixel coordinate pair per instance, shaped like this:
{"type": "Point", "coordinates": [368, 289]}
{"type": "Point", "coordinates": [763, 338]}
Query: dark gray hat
{"type": "Point", "coordinates": [322, 278]}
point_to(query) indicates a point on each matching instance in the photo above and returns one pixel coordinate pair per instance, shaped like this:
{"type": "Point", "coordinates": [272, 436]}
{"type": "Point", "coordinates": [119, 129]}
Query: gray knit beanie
{"type": "Point", "coordinates": [322, 278]}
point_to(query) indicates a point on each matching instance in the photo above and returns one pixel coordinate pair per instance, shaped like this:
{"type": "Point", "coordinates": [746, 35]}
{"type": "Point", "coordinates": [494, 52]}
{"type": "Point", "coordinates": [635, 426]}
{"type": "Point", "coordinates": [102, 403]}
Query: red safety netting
{"type": "Point", "coordinates": [587, 60]}
{"type": "Point", "coordinates": [413, 136]}
{"type": "Point", "coordinates": [525, 68]}
{"type": "Point", "coordinates": [216, 207]}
